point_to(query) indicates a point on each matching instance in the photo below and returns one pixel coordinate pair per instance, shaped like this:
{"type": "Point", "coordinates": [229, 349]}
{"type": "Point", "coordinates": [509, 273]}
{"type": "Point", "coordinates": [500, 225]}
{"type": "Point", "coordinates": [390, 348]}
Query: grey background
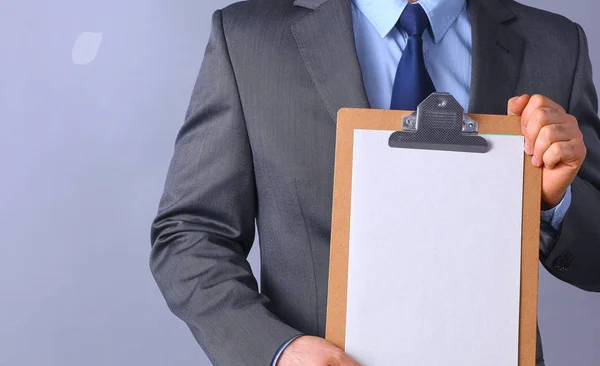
{"type": "Point", "coordinates": [83, 153]}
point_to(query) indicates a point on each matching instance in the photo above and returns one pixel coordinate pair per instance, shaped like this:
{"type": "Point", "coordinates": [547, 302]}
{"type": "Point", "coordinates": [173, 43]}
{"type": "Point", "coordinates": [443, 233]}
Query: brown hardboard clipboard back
{"type": "Point", "coordinates": [372, 119]}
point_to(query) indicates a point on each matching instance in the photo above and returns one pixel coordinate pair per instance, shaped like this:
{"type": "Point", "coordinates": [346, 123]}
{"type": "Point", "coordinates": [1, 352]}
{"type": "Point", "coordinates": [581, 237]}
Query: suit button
{"type": "Point", "coordinates": [563, 262]}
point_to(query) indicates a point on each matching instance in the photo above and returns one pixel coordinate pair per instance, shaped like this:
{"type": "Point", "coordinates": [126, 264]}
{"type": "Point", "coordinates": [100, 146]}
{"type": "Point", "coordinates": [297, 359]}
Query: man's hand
{"type": "Point", "coordinates": [313, 351]}
{"type": "Point", "coordinates": [553, 138]}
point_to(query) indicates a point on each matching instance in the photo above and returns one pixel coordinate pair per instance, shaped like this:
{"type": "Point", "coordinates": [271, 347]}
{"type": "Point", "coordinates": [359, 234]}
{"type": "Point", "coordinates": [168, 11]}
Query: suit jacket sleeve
{"type": "Point", "coordinates": [205, 225]}
{"type": "Point", "coordinates": [576, 256]}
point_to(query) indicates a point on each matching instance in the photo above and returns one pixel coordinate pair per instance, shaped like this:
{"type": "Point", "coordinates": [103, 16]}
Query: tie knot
{"type": "Point", "coordinates": [413, 20]}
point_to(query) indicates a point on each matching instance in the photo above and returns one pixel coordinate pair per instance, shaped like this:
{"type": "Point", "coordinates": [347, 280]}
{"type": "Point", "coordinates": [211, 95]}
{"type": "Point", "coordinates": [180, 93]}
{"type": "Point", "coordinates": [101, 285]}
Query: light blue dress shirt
{"type": "Point", "coordinates": [447, 48]}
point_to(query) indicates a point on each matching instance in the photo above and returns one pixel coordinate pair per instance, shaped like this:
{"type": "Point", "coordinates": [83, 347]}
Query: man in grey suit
{"type": "Point", "coordinates": [257, 147]}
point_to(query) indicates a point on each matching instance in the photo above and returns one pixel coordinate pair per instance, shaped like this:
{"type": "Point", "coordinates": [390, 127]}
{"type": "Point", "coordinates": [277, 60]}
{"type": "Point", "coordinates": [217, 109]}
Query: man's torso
{"type": "Point", "coordinates": [295, 66]}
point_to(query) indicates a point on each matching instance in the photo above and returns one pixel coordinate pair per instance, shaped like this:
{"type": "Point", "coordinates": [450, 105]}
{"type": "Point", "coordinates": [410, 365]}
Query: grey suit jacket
{"type": "Point", "coordinates": [258, 144]}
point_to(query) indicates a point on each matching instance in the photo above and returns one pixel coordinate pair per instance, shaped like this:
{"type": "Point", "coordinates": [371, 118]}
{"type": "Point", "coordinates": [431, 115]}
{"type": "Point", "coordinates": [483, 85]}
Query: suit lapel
{"type": "Point", "coordinates": [325, 38]}
{"type": "Point", "coordinates": [497, 56]}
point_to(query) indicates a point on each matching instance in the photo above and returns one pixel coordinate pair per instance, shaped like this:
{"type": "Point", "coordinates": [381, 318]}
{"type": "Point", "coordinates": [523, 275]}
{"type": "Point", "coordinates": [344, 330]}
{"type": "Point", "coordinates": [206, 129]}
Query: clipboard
{"type": "Point", "coordinates": [439, 129]}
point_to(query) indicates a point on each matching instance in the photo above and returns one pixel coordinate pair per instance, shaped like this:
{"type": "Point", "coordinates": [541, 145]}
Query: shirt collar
{"type": "Point", "coordinates": [384, 14]}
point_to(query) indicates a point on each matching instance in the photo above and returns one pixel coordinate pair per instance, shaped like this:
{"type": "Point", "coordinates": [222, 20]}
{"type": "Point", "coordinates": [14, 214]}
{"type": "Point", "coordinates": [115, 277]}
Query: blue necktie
{"type": "Point", "coordinates": [413, 83]}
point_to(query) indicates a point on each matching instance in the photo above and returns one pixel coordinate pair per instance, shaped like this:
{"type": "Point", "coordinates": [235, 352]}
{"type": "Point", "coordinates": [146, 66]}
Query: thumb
{"type": "Point", "coordinates": [348, 361]}
{"type": "Point", "coordinates": [517, 105]}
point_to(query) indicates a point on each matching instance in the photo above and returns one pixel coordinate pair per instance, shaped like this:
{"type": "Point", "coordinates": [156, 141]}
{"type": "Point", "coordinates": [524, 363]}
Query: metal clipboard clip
{"type": "Point", "coordinates": [439, 124]}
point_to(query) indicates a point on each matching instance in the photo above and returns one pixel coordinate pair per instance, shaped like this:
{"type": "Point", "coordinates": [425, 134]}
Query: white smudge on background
{"type": "Point", "coordinates": [86, 47]}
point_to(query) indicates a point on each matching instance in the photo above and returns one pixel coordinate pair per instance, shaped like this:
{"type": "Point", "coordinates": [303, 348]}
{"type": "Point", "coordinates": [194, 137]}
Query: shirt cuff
{"type": "Point", "coordinates": [552, 221]}
{"type": "Point", "coordinates": [281, 349]}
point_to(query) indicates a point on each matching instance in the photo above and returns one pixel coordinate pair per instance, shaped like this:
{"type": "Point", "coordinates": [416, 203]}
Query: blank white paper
{"type": "Point", "coordinates": [435, 254]}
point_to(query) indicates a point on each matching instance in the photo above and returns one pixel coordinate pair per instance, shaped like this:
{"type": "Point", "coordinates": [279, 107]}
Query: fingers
{"type": "Point", "coordinates": [555, 154]}
{"type": "Point", "coordinates": [536, 112]}
{"type": "Point", "coordinates": [536, 102]}
{"type": "Point", "coordinates": [349, 361]}
{"type": "Point", "coordinates": [341, 358]}
{"type": "Point", "coordinates": [516, 105]}
{"type": "Point", "coordinates": [552, 130]}
{"type": "Point", "coordinates": [566, 152]}
{"type": "Point", "coordinates": [553, 138]}
{"type": "Point", "coordinates": [539, 119]}
{"type": "Point", "coordinates": [309, 350]}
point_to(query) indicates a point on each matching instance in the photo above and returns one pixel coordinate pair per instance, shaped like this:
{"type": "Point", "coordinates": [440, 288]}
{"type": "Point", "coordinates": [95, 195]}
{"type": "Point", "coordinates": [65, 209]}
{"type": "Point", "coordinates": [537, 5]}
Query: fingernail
{"type": "Point", "coordinates": [527, 150]}
{"type": "Point", "coordinates": [535, 161]}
